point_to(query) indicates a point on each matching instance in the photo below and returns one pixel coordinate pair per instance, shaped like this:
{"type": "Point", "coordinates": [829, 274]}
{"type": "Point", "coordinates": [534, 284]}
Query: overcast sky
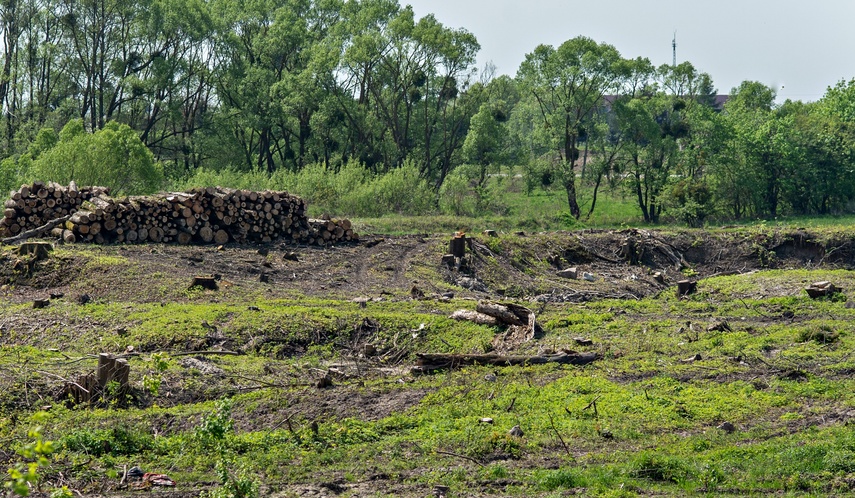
{"type": "Point", "coordinates": [798, 47]}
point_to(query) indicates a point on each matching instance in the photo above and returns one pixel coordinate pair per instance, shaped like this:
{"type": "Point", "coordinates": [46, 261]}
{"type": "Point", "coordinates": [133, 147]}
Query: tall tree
{"type": "Point", "coordinates": [268, 79]}
{"type": "Point", "coordinates": [760, 154]}
{"type": "Point", "coordinates": [568, 84]}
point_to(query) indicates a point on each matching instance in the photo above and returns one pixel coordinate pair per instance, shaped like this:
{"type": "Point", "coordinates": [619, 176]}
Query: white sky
{"type": "Point", "coordinates": [802, 46]}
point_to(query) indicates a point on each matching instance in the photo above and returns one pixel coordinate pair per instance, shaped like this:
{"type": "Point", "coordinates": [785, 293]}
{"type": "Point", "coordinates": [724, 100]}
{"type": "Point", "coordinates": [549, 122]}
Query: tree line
{"type": "Point", "coordinates": [148, 93]}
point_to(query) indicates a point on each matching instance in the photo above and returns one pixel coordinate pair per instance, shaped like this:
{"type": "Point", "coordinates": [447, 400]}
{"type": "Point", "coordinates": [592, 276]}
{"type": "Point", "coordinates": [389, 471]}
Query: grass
{"type": "Point", "coordinates": [543, 209]}
{"type": "Point", "coordinates": [643, 420]}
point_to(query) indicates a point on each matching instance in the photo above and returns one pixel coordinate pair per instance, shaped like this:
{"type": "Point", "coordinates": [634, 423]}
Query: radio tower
{"type": "Point", "coordinates": [674, 50]}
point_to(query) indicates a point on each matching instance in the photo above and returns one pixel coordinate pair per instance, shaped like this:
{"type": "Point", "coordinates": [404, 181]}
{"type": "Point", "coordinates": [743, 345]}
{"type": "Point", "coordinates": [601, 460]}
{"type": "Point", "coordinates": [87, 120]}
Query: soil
{"type": "Point", "coordinates": [524, 267]}
{"type": "Point", "coordinates": [621, 263]}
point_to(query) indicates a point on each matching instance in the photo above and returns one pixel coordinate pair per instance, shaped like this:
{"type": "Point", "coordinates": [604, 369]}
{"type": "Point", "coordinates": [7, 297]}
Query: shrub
{"type": "Point", "coordinates": [228, 177]}
{"type": "Point", "coordinates": [557, 479]}
{"type": "Point", "coordinates": [456, 196]}
{"type": "Point", "coordinates": [114, 441]}
{"type": "Point", "coordinates": [113, 157]}
{"type": "Point", "coordinates": [658, 467]}
{"type": "Point", "coordinates": [401, 191]}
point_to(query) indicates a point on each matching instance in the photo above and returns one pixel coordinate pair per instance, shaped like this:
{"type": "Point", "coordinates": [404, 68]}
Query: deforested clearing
{"type": "Point", "coordinates": [362, 369]}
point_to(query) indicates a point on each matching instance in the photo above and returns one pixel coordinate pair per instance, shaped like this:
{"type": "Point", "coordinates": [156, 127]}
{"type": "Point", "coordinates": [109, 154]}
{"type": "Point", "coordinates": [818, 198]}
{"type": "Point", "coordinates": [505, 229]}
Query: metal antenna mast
{"type": "Point", "coordinates": [674, 49]}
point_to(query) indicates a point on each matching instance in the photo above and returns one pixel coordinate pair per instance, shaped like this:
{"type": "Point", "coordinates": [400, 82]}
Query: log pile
{"type": "Point", "coordinates": [199, 216]}
{"type": "Point", "coordinates": [35, 205]}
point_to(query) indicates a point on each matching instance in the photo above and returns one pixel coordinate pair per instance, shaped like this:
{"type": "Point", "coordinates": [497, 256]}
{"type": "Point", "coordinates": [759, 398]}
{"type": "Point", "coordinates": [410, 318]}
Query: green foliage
{"type": "Point", "coordinates": [157, 364]}
{"type": "Point", "coordinates": [352, 191]}
{"type": "Point", "coordinates": [113, 157]}
{"type": "Point", "coordinates": [822, 334]}
{"type": "Point", "coordinates": [118, 441]}
{"type": "Point", "coordinates": [35, 455]}
{"type": "Point", "coordinates": [10, 175]}
{"type": "Point", "coordinates": [217, 426]}
{"type": "Point", "coordinates": [566, 85]}
{"type": "Point", "coordinates": [660, 467]}
{"type": "Point", "coordinates": [235, 481]}
{"type": "Point", "coordinates": [551, 480]}
{"type": "Point", "coordinates": [215, 432]}
{"type": "Point", "coordinates": [402, 191]}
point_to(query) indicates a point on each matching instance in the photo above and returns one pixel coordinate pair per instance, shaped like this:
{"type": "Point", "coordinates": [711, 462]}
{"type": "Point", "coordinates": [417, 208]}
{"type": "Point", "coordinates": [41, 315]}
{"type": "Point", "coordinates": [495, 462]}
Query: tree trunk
{"type": "Point", "coordinates": [570, 188]}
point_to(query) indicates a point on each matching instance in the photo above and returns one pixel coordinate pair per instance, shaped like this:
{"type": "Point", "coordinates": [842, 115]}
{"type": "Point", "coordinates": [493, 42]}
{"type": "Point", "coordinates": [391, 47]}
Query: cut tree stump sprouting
{"type": "Point", "coordinates": [112, 369]}
{"type": "Point", "coordinates": [111, 375]}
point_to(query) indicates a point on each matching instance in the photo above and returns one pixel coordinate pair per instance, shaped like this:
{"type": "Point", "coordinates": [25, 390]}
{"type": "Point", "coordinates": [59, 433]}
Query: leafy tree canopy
{"type": "Point", "coordinates": [112, 157]}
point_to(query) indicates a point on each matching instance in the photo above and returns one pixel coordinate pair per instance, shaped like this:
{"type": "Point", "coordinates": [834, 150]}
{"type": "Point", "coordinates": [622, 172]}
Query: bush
{"type": "Point", "coordinates": [400, 191]}
{"type": "Point", "coordinates": [352, 191]}
{"type": "Point", "coordinates": [456, 196]}
{"type": "Point", "coordinates": [112, 157]}
{"type": "Point", "coordinates": [228, 177]}
{"type": "Point", "coordinates": [10, 176]}
{"type": "Point", "coordinates": [658, 467]}
{"type": "Point", "coordinates": [557, 479]}
{"type": "Point", "coordinates": [115, 441]}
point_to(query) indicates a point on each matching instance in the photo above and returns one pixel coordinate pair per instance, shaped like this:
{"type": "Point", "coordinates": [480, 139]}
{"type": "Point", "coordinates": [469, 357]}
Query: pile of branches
{"type": "Point", "coordinates": [199, 216]}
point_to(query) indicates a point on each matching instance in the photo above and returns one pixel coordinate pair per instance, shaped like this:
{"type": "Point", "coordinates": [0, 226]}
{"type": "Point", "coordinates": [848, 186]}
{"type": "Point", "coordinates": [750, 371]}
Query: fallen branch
{"type": "Point", "coordinates": [63, 379]}
{"type": "Point", "coordinates": [563, 443]}
{"type": "Point", "coordinates": [212, 352]}
{"type": "Point", "coordinates": [36, 232]}
{"type": "Point", "coordinates": [460, 456]}
{"type": "Point", "coordinates": [264, 383]}
{"type": "Point", "coordinates": [187, 353]}
{"type": "Point", "coordinates": [429, 361]}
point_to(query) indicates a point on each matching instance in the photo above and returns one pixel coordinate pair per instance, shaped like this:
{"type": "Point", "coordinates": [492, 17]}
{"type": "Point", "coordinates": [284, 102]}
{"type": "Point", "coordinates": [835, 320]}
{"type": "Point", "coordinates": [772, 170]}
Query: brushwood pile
{"type": "Point", "coordinates": [198, 216]}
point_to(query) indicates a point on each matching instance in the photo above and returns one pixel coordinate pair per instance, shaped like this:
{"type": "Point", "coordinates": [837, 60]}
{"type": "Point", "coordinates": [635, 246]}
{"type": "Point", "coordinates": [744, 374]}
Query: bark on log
{"type": "Point", "coordinates": [502, 312]}
{"type": "Point", "coordinates": [428, 362]}
{"type": "Point", "coordinates": [243, 216]}
{"type": "Point", "coordinates": [35, 232]}
{"type": "Point", "coordinates": [474, 317]}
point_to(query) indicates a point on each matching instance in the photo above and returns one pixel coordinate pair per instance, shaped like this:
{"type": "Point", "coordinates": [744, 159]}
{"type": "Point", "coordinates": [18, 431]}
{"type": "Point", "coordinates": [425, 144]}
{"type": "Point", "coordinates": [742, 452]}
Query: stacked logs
{"type": "Point", "coordinates": [34, 205]}
{"type": "Point", "coordinates": [200, 216]}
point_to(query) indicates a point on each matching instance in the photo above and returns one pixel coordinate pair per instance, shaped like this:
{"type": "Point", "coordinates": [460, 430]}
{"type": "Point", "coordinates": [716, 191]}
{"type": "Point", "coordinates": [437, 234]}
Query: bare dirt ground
{"type": "Point", "coordinates": [521, 266]}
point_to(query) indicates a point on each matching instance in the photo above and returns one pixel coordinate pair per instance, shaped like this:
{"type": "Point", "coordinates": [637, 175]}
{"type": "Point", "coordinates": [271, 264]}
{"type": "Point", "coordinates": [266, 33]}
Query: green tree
{"type": "Point", "coordinates": [651, 129]}
{"type": "Point", "coordinates": [567, 86]}
{"type": "Point", "coordinates": [112, 157]}
{"type": "Point", "coordinates": [823, 133]}
{"type": "Point", "coordinates": [759, 156]}
{"type": "Point", "coordinates": [277, 61]}
{"type": "Point", "coordinates": [485, 142]}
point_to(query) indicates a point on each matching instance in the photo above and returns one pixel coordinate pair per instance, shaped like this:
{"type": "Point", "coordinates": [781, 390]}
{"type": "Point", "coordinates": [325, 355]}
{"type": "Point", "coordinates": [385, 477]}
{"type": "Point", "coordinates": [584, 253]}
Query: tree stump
{"type": "Point", "coordinates": [457, 246]}
{"type": "Point", "coordinates": [686, 287]}
{"type": "Point", "coordinates": [817, 290]}
{"type": "Point", "coordinates": [113, 370]}
{"type": "Point", "coordinates": [38, 250]}
{"type": "Point", "coordinates": [206, 282]}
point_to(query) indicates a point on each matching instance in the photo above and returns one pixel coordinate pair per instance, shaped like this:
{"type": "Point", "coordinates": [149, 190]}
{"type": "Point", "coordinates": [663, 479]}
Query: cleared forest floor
{"type": "Point", "coordinates": [743, 386]}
